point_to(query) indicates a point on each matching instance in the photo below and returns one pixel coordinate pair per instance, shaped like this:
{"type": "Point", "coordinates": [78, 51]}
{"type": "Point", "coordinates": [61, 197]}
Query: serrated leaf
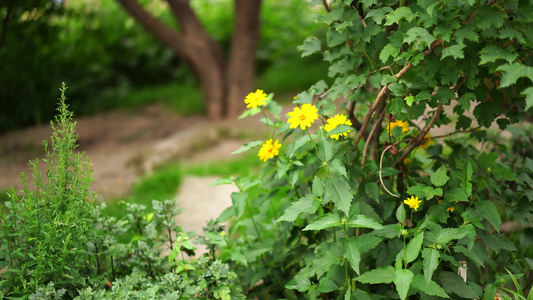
{"type": "Point", "coordinates": [409, 100]}
{"type": "Point", "coordinates": [439, 178]}
{"type": "Point", "coordinates": [352, 254]}
{"type": "Point", "coordinates": [340, 129]}
{"type": "Point", "coordinates": [466, 100]}
{"type": "Point", "coordinates": [511, 73]}
{"type": "Point", "coordinates": [325, 221]}
{"type": "Point", "coordinates": [299, 143]}
{"type": "Point", "coordinates": [488, 210]}
{"type": "Point", "coordinates": [337, 166]}
{"type": "Point", "coordinates": [239, 201]}
{"type": "Point", "coordinates": [503, 173]}
{"type": "Point", "coordinates": [398, 89]}
{"type": "Point", "coordinates": [395, 16]}
{"type": "Point", "coordinates": [417, 34]}
{"type": "Point", "coordinates": [367, 242]}
{"type": "Point", "coordinates": [448, 234]}
{"type": "Point", "coordinates": [430, 262]}
{"type": "Point", "coordinates": [334, 38]}
{"type": "Point", "coordinates": [339, 192]}
{"type": "Point", "coordinates": [307, 204]}
{"type": "Point", "coordinates": [431, 288]}
{"type": "Point", "coordinates": [372, 191]}
{"type": "Point", "coordinates": [493, 53]}
{"type": "Point", "coordinates": [299, 283]}
{"type": "Point", "coordinates": [413, 248]}
{"type": "Point", "coordinates": [499, 242]}
{"type": "Point", "coordinates": [388, 51]}
{"type": "Point", "coordinates": [379, 275]}
{"type": "Point", "coordinates": [310, 46]}
{"type": "Point", "coordinates": [318, 187]}
{"type": "Point", "coordinates": [402, 280]}
{"type": "Point", "coordinates": [364, 221]}
{"type": "Point", "coordinates": [430, 192]}
{"type": "Point", "coordinates": [325, 150]}
{"type": "Point", "coordinates": [455, 194]}
{"type": "Point", "coordinates": [397, 108]}
{"type": "Point", "coordinates": [400, 213]}
{"type": "Point", "coordinates": [486, 112]}
{"type": "Point", "coordinates": [528, 92]}
{"type": "Point", "coordinates": [247, 147]}
{"type": "Point", "coordinates": [455, 51]}
{"type": "Point", "coordinates": [378, 14]}
{"type": "Point", "coordinates": [454, 284]}
{"type": "Point", "coordinates": [417, 190]}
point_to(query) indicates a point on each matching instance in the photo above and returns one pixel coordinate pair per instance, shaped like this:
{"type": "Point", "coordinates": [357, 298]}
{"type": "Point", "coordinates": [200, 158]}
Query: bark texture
{"type": "Point", "coordinates": [225, 81]}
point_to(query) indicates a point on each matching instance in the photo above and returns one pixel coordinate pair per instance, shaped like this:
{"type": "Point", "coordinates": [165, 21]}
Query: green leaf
{"type": "Point", "coordinates": [397, 108]}
{"type": "Point", "coordinates": [299, 283]}
{"type": "Point", "coordinates": [239, 203]}
{"type": "Point", "coordinates": [455, 51]}
{"type": "Point", "coordinates": [400, 213]}
{"type": "Point", "coordinates": [417, 34]}
{"type": "Point", "coordinates": [486, 112]}
{"type": "Point", "coordinates": [247, 147]}
{"type": "Point", "coordinates": [398, 89]}
{"type": "Point", "coordinates": [325, 150]}
{"type": "Point", "coordinates": [431, 288]}
{"type": "Point", "coordinates": [417, 190]}
{"type": "Point", "coordinates": [466, 100]}
{"type": "Point", "coordinates": [503, 173]}
{"type": "Point", "coordinates": [493, 53]}
{"type": "Point", "coordinates": [351, 252]}
{"type": "Point", "coordinates": [307, 204]}
{"type": "Point", "coordinates": [379, 275]}
{"type": "Point", "coordinates": [388, 51]}
{"type": "Point", "coordinates": [448, 234]}
{"type": "Point", "coordinates": [364, 221]}
{"type": "Point", "coordinates": [413, 248]}
{"type": "Point", "coordinates": [378, 14]}
{"type": "Point", "coordinates": [430, 192]}
{"type": "Point", "coordinates": [337, 166]}
{"type": "Point", "coordinates": [454, 284]}
{"type": "Point", "coordinates": [173, 254]}
{"type": "Point", "coordinates": [318, 187]}
{"type": "Point", "coordinates": [499, 242]}
{"type": "Point", "coordinates": [299, 143]}
{"type": "Point", "coordinates": [237, 256]}
{"type": "Point", "coordinates": [311, 45]}
{"type": "Point", "coordinates": [489, 16]}
{"type": "Point", "coordinates": [372, 191]}
{"type": "Point", "coordinates": [223, 180]}
{"type": "Point", "coordinates": [430, 262]}
{"type": "Point", "coordinates": [528, 92]}
{"type": "Point", "coordinates": [511, 73]}
{"type": "Point", "coordinates": [409, 100]}
{"type": "Point", "coordinates": [395, 16]}
{"type": "Point", "coordinates": [455, 194]}
{"type": "Point", "coordinates": [488, 210]}
{"type": "Point", "coordinates": [325, 221]}
{"type": "Point", "coordinates": [402, 280]}
{"type": "Point", "coordinates": [367, 242]}
{"type": "Point", "coordinates": [334, 38]}
{"type": "Point", "coordinates": [340, 129]}
{"type": "Point", "coordinates": [339, 192]}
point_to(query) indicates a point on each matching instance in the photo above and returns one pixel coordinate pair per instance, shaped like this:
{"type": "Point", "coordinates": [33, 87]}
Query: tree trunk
{"type": "Point", "coordinates": [224, 86]}
{"type": "Point", "coordinates": [240, 74]}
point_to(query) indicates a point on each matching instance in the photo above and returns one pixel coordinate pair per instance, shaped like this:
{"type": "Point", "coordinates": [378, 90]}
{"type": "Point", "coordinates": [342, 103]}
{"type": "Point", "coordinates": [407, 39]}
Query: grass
{"type": "Point", "coordinates": [294, 75]}
{"type": "Point", "coordinates": [164, 182]}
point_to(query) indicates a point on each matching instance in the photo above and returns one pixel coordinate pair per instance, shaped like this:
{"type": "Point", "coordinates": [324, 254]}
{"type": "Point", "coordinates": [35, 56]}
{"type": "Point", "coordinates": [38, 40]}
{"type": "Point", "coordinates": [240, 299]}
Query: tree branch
{"type": "Point", "coordinates": [185, 17]}
{"type": "Point", "coordinates": [382, 93]}
{"type": "Point", "coordinates": [326, 6]}
{"type": "Point", "coordinates": [369, 139]}
{"type": "Point", "coordinates": [161, 31]}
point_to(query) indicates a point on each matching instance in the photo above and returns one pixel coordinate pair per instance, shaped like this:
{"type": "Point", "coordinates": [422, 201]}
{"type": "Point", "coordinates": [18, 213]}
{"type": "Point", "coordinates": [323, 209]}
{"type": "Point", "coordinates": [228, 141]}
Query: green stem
{"type": "Point", "coordinates": [253, 221]}
{"type": "Point", "coordinates": [364, 52]}
{"type": "Point", "coordinates": [266, 120]}
{"type": "Point", "coordinates": [404, 258]}
{"type": "Point", "coordinates": [309, 134]}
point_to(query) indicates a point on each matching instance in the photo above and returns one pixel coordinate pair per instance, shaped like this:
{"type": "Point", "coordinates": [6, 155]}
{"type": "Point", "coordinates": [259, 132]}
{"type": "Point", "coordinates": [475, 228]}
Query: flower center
{"type": "Point", "coordinates": [302, 117]}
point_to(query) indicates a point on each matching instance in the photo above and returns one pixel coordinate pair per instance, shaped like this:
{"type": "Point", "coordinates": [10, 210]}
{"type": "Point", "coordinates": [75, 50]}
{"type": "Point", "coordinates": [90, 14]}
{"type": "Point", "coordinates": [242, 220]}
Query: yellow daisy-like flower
{"type": "Point", "coordinates": [413, 202]}
{"type": "Point", "coordinates": [269, 150]}
{"type": "Point", "coordinates": [407, 161]}
{"type": "Point", "coordinates": [303, 117]}
{"type": "Point", "coordinates": [427, 141]}
{"type": "Point", "coordinates": [255, 99]}
{"type": "Point", "coordinates": [335, 121]}
{"type": "Point", "coordinates": [451, 209]}
{"type": "Point", "coordinates": [398, 123]}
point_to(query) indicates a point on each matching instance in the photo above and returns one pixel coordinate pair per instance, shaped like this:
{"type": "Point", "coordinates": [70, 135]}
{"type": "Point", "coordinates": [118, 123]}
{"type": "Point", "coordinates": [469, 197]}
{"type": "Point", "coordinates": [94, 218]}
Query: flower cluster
{"type": "Point", "coordinates": [303, 117]}
{"type": "Point", "coordinates": [335, 121]}
{"type": "Point", "coordinates": [269, 150]}
{"type": "Point", "coordinates": [255, 99]}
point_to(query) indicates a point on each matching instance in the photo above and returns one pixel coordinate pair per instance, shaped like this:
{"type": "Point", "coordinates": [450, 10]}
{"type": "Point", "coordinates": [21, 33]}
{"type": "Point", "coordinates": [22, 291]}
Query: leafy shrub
{"type": "Point", "coordinates": [373, 198]}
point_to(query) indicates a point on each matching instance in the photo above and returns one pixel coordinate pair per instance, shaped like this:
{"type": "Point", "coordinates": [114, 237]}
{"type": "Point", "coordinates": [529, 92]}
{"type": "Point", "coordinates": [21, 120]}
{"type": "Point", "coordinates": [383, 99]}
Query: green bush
{"type": "Point", "coordinates": [372, 203]}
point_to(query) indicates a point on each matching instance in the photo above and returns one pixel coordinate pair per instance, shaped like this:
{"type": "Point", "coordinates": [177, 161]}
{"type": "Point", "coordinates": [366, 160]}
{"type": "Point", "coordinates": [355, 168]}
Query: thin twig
{"type": "Point", "coordinates": [326, 6]}
{"type": "Point", "coordinates": [324, 94]}
{"type": "Point", "coordinates": [369, 138]}
{"type": "Point", "coordinates": [381, 167]}
{"type": "Point", "coordinates": [382, 92]}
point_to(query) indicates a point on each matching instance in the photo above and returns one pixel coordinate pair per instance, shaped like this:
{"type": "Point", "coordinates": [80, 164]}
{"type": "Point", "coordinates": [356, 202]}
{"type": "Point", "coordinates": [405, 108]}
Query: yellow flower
{"type": "Point", "coordinates": [427, 141]}
{"type": "Point", "coordinates": [398, 123]}
{"type": "Point", "coordinates": [303, 117]}
{"type": "Point", "coordinates": [255, 99]}
{"type": "Point", "coordinates": [335, 121]}
{"type": "Point", "coordinates": [413, 202]}
{"type": "Point", "coordinates": [407, 161]}
{"type": "Point", "coordinates": [269, 150]}
{"type": "Point", "coordinates": [451, 209]}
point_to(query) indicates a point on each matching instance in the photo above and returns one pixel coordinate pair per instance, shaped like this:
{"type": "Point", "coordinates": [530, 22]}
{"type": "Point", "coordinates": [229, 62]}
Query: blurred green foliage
{"type": "Point", "coordinates": [109, 59]}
